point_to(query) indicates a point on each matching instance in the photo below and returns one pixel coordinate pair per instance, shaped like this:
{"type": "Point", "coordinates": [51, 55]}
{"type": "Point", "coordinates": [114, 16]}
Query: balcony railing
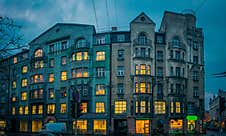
{"type": "Point", "coordinates": [142, 42]}
{"type": "Point", "coordinates": [81, 45]}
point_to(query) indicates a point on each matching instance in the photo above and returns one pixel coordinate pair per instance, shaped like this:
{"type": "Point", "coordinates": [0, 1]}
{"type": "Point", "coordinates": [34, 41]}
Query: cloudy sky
{"type": "Point", "coordinates": [38, 15]}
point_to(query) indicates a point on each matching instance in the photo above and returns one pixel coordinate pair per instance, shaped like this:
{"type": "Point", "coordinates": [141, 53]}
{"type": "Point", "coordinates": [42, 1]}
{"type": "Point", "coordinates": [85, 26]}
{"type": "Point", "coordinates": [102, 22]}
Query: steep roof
{"type": "Point", "coordinates": [142, 18]}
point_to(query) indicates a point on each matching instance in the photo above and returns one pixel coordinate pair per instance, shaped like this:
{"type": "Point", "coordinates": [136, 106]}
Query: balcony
{"type": "Point", "coordinates": [81, 45]}
{"type": "Point", "coordinates": [176, 45]}
{"type": "Point", "coordinates": [142, 42]}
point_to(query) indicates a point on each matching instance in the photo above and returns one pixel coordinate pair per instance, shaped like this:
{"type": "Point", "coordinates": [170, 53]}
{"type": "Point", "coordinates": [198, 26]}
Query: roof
{"type": "Point", "coordinates": [143, 14]}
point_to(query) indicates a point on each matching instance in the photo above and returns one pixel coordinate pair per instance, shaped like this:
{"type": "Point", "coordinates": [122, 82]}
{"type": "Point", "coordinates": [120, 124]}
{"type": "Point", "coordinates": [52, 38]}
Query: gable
{"type": "Point", "coordinates": [142, 18]}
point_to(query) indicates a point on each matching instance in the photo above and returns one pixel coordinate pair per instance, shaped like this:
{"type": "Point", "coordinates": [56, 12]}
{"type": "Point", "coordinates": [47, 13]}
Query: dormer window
{"type": "Point", "coordinates": [142, 18]}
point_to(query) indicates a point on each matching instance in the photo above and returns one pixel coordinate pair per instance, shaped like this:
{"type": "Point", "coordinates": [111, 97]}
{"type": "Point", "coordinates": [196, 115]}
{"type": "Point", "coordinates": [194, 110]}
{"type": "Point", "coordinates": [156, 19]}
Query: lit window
{"type": "Point", "coordinates": [35, 94]}
{"type": "Point", "coordinates": [85, 72]}
{"type": "Point", "coordinates": [142, 69]}
{"type": "Point", "coordinates": [100, 55]}
{"type": "Point", "coordinates": [14, 60]}
{"type": "Point", "coordinates": [40, 109]}
{"type": "Point", "coordinates": [24, 82]}
{"type": "Point", "coordinates": [21, 110]}
{"type": "Point", "coordinates": [142, 126]}
{"type": "Point", "coordinates": [136, 69]}
{"type": "Point", "coordinates": [100, 107]}
{"type": "Point", "coordinates": [63, 75]}
{"type": "Point", "coordinates": [51, 93]}
{"type": "Point", "coordinates": [84, 107]}
{"type": "Point", "coordinates": [136, 88]}
{"type": "Point", "coordinates": [24, 96]}
{"type": "Point", "coordinates": [73, 56]}
{"type": "Point", "coordinates": [36, 125]}
{"type": "Point", "coordinates": [79, 72]}
{"type": "Point", "coordinates": [176, 124]}
{"type": "Point", "coordinates": [85, 55]}
{"type": "Point", "coordinates": [34, 109]}
{"type": "Point", "coordinates": [26, 110]}
{"type": "Point", "coordinates": [79, 56]}
{"type": "Point", "coordinates": [51, 77]}
{"type": "Point", "coordinates": [149, 70]}
{"type": "Point", "coordinates": [38, 53]}
{"type": "Point", "coordinates": [99, 126]}
{"type": "Point", "coordinates": [14, 84]}
{"type": "Point", "coordinates": [13, 99]}
{"type": "Point", "coordinates": [142, 106]}
{"type": "Point", "coordinates": [13, 110]}
{"type": "Point", "coordinates": [100, 89]}
{"type": "Point", "coordinates": [149, 87]}
{"type": "Point", "coordinates": [191, 125]}
{"type": "Point", "coordinates": [142, 88]}
{"type": "Point", "coordinates": [160, 107]}
{"type": "Point", "coordinates": [171, 107]}
{"type": "Point", "coordinates": [24, 69]}
{"type": "Point", "coordinates": [50, 108]}
{"type": "Point", "coordinates": [137, 105]}
{"type": "Point", "coordinates": [63, 60]}
{"type": "Point", "coordinates": [63, 108]}
{"type": "Point", "coordinates": [120, 107]}
{"type": "Point", "coordinates": [63, 92]}
{"type": "Point", "coordinates": [37, 78]}
{"type": "Point", "coordinates": [149, 107]}
{"type": "Point", "coordinates": [178, 110]}
{"type": "Point", "coordinates": [81, 126]}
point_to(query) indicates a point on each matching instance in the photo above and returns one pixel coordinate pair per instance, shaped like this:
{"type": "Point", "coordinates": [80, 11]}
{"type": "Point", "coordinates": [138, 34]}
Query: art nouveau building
{"type": "Point", "coordinates": [129, 82]}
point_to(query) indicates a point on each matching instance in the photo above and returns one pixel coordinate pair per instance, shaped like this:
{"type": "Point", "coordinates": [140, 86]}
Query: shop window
{"type": "Point", "coordinates": [142, 127]}
{"type": "Point", "coordinates": [176, 124]}
{"type": "Point", "coordinates": [191, 125]}
{"type": "Point", "coordinates": [81, 126]}
{"type": "Point", "coordinates": [23, 126]}
{"type": "Point", "coordinates": [99, 126]}
{"type": "Point", "coordinates": [36, 125]}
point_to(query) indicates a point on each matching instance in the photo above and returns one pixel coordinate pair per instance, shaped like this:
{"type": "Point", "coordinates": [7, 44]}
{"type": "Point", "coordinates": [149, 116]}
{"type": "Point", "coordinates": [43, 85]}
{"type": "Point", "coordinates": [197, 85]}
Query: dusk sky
{"type": "Point", "coordinates": [36, 16]}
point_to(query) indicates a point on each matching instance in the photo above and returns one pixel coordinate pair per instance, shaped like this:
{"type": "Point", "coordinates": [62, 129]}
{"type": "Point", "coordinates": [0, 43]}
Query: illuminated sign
{"type": "Point", "coordinates": [192, 117]}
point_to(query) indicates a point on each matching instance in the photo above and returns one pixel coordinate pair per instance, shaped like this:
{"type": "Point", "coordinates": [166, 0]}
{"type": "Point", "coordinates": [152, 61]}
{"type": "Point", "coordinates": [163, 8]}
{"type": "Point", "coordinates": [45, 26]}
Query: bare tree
{"type": "Point", "coordinates": [10, 37]}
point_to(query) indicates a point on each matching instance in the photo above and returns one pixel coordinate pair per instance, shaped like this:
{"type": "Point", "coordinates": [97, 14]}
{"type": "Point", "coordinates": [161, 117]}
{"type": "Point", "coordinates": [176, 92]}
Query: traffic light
{"type": "Point", "coordinates": [72, 109]}
{"type": "Point", "coordinates": [79, 109]}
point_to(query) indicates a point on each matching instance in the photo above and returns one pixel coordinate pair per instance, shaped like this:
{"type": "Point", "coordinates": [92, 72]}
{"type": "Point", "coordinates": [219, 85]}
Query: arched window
{"type": "Point", "coordinates": [142, 38]}
{"type": "Point", "coordinates": [176, 42]}
{"type": "Point", "coordinates": [80, 43]}
{"type": "Point", "coordinates": [38, 53]}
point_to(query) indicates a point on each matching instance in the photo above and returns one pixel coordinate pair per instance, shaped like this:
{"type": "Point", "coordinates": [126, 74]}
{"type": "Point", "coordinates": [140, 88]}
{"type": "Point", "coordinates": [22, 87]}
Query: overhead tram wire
{"type": "Point", "coordinates": [94, 8]}
{"type": "Point", "coordinates": [200, 6]}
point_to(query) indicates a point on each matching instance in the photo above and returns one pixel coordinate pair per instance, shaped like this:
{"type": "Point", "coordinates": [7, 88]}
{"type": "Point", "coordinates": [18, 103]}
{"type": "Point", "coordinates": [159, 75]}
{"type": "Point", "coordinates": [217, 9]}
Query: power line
{"type": "Point", "coordinates": [94, 8]}
{"type": "Point", "coordinates": [108, 22]}
{"type": "Point", "coordinates": [200, 6]}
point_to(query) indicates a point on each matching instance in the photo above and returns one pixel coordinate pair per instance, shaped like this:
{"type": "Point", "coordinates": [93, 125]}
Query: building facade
{"type": "Point", "coordinates": [127, 82]}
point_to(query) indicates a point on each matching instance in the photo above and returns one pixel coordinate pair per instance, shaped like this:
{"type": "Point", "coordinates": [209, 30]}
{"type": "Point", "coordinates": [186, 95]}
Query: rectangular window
{"type": "Point", "coordinates": [142, 106]}
{"type": "Point", "coordinates": [85, 72]}
{"type": "Point", "coordinates": [99, 126]}
{"type": "Point", "coordinates": [85, 56]}
{"type": "Point", "coordinates": [13, 98]}
{"type": "Point", "coordinates": [160, 71]}
{"type": "Point", "coordinates": [120, 54]}
{"type": "Point", "coordinates": [51, 93]}
{"type": "Point", "coordinates": [136, 88]}
{"type": "Point", "coordinates": [51, 63]}
{"type": "Point", "coordinates": [120, 88]}
{"type": "Point", "coordinates": [14, 84]}
{"type": "Point", "coordinates": [142, 69]}
{"type": "Point", "coordinates": [79, 56]}
{"type": "Point", "coordinates": [34, 109]}
{"type": "Point", "coordinates": [78, 72]}
{"type": "Point", "coordinates": [40, 109]}
{"type": "Point", "coordinates": [14, 60]}
{"type": "Point", "coordinates": [51, 77]}
{"type": "Point", "coordinates": [100, 40]}
{"type": "Point", "coordinates": [142, 52]}
{"type": "Point", "coordinates": [100, 55]}
{"type": "Point", "coordinates": [171, 54]}
{"type": "Point", "coordinates": [36, 125]}
{"type": "Point", "coordinates": [84, 107]}
{"type": "Point", "coordinates": [171, 71]}
{"type": "Point", "coordinates": [159, 39]}
{"type": "Point", "coordinates": [81, 126]}
{"type": "Point", "coordinates": [63, 92]}
{"type": "Point", "coordinates": [51, 48]}
{"type": "Point", "coordinates": [149, 70]}
{"type": "Point", "coordinates": [177, 53]}
{"type": "Point", "coordinates": [120, 37]}
{"type": "Point", "coordinates": [24, 96]}
{"type": "Point", "coordinates": [63, 45]}
{"type": "Point", "coordinates": [159, 91]}
{"type": "Point", "coordinates": [100, 107]}
{"type": "Point", "coordinates": [160, 55]}
{"type": "Point", "coordinates": [51, 109]}
{"type": "Point", "coordinates": [120, 71]}
{"type": "Point", "coordinates": [63, 108]}
{"type": "Point", "coordinates": [195, 60]}
{"type": "Point", "coordinates": [136, 69]}
{"type": "Point", "coordinates": [178, 71]}
{"type": "Point", "coordinates": [178, 109]}
{"type": "Point", "coordinates": [195, 75]}
{"type": "Point", "coordinates": [120, 107]}
{"type": "Point", "coordinates": [137, 107]}
{"type": "Point", "coordinates": [171, 107]}
{"type": "Point", "coordinates": [24, 82]}
{"type": "Point", "coordinates": [100, 89]}
{"type": "Point", "coordinates": [142, 127]}
{"type": "Point", "coordinates": [100, 72]}
{"type": "Point", "coordinates": [63, 75]}
{"type": "Point", "coordinates": [160, 107]}
{"type": "Point", "coordinates": [13, 110]}
{"type": "Point", "coordinates": [21, 110]}
{"type": "Point", "coordinates": [73, 73]}
{"type": "Point", "coordinates": [24, 69]}
{"type": "Point", "coordinates": [195, 91]}
{"type": "Point", "coordinates": [63, 60]}
{"type": "Point", "coordinates": [26, 110]}
{"type": "Point", "coordinates": [176, 124]}
{"type": "Point", "coordinates": [142, 87]}
{"type": "Point", "coordinates": [190, 109]}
